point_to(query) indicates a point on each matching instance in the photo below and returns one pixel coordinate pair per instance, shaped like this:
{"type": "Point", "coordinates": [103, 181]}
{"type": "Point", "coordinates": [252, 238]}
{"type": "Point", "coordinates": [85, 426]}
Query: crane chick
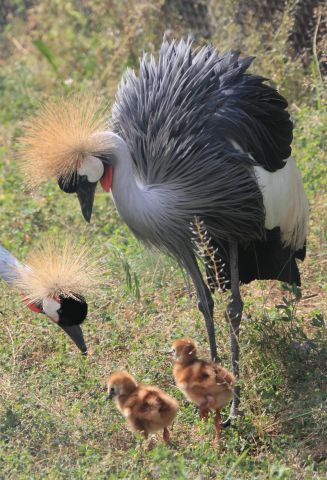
{"type": "Point", "coordinates": [146, 408]}
{"type": "Point", "coordinates": [207, 384]}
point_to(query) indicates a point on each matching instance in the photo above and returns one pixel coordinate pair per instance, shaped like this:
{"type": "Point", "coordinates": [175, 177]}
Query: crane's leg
{"type": "Point", "coordinates": [233, 316]}
{"type": "Point", "coordinates": [205, 302]}
{"type": "Point", "coordinates": [206, 308]}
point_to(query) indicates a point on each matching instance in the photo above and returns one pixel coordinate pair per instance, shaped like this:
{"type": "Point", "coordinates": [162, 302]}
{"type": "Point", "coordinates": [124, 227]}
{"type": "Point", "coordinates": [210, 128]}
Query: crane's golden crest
{"type": "Point", "coordinates": [55, 269]}
{"type": "Point", "coordinates": [57, 140]}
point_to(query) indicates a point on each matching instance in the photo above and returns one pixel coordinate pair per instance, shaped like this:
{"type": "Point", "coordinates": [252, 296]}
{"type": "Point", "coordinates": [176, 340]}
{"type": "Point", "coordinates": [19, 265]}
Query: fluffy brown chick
{"type": "Point", "coordinates": [146, 408]}
{"type": "Point", "coordinates": [207, 384]}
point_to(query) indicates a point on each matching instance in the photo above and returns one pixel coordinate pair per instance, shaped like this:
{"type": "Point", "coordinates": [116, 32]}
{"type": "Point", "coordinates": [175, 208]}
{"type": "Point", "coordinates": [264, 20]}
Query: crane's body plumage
{"type": "Point", "coordinates": [201, 133]}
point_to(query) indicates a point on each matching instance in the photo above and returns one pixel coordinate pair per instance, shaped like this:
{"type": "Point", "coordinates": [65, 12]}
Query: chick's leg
{"type": "Point", "coordinates": [165, 435]}
{"type": "Point", "coordinates": [204, 411]}
{"type": "Point", "coordinates": [206, 406]}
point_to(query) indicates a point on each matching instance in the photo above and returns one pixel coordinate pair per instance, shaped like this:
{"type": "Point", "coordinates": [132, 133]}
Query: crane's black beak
{"type": "Point", "coordinates": [76, 334]}
{"type": "Point", "coordinates": [85, 192]}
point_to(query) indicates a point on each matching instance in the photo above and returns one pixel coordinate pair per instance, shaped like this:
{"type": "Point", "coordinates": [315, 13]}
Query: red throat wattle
{"type": "Point", "coordinates": [33, 307]}
{"type": "Point", "coordinates": [106, 179]}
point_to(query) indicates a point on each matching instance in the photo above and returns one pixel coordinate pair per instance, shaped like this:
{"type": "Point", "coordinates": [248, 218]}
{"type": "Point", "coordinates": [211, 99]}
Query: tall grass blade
{"type": "Point", "coordinates": [47, 54]}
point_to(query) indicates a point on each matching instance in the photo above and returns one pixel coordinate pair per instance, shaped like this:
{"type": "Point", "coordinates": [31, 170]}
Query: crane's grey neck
{"type": "Point", "coordinates": [9, 266]}
{"type": "Point", "coordinates": [138, 204]}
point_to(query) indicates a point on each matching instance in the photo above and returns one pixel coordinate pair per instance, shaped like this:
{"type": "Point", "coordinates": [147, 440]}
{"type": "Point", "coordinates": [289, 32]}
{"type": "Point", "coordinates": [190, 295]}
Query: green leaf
{"type": "Point", "coordinates": [46, 52]}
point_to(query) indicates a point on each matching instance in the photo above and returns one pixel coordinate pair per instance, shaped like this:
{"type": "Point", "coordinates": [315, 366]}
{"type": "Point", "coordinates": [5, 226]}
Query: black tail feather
{"type": "Point", "coordinates": [258, 260]}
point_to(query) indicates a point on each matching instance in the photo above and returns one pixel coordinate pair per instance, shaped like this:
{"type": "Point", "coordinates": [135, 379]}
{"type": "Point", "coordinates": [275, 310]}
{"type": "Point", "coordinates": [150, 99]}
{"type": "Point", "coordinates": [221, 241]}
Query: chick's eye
{"type": "Point", "coordinates": [112, 390]}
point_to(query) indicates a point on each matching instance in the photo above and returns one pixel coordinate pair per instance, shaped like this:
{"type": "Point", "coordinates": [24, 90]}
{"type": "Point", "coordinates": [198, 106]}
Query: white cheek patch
{"type": "Point", "coordinates": [92, 167]}
{"type": "Point", "coordinates": [50, 308]}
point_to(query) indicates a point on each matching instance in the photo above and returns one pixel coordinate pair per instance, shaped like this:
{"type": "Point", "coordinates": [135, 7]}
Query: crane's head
{"type": "Point", "coordinates": [67, 312]}
{"type": "Point", "coordinates": [69, 140]}
{"type": "Point", "coordinates": [55, 281]}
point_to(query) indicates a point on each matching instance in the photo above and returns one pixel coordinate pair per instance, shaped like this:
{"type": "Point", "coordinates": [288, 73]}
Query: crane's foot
{"type": "Point", "coordinates": [235, 412]}
{"type": "Point", "coordinates": [232, 419]}
{"type": "Point", "coordinates": [227, 423]}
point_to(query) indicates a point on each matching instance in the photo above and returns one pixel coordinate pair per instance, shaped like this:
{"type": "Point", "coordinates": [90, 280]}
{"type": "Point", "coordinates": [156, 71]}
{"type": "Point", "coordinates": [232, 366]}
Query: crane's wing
{"type": "Point", "coordinates": [187, 110]}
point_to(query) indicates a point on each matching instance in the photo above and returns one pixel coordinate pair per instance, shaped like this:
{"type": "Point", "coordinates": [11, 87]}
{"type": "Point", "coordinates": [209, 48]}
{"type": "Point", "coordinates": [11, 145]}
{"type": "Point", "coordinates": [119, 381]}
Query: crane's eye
{"type": "Point", "coordinates": [69, 185]}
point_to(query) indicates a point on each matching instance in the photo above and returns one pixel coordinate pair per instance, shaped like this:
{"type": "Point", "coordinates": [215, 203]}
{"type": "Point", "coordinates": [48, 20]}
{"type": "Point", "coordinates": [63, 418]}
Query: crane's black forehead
{"type": "Point", "coordinates": [69, 185]}
{"type": "Point", "coordinates": [72, 311]}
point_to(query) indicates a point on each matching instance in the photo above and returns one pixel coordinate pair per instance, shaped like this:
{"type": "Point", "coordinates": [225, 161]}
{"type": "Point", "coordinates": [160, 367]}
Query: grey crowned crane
{"type": "Point", "coordinates": [54, 281]}
{"type": "Point", "coordinates": [192, 135]}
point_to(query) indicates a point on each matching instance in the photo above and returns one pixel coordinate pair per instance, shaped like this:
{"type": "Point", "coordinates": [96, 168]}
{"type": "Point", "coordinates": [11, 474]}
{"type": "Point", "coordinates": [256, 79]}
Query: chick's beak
{"type": "Point", "coordinates": [85, 193]}
{"type": "Point", "coordinates": [110, 396]}
{"type": "Point", "coordinates": [76, 334]}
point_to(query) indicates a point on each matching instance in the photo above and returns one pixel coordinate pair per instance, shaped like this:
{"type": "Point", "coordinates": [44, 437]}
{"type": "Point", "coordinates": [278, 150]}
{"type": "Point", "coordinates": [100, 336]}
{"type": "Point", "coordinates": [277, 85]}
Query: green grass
{"type": "Point", "coordinates": [54, 420]}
